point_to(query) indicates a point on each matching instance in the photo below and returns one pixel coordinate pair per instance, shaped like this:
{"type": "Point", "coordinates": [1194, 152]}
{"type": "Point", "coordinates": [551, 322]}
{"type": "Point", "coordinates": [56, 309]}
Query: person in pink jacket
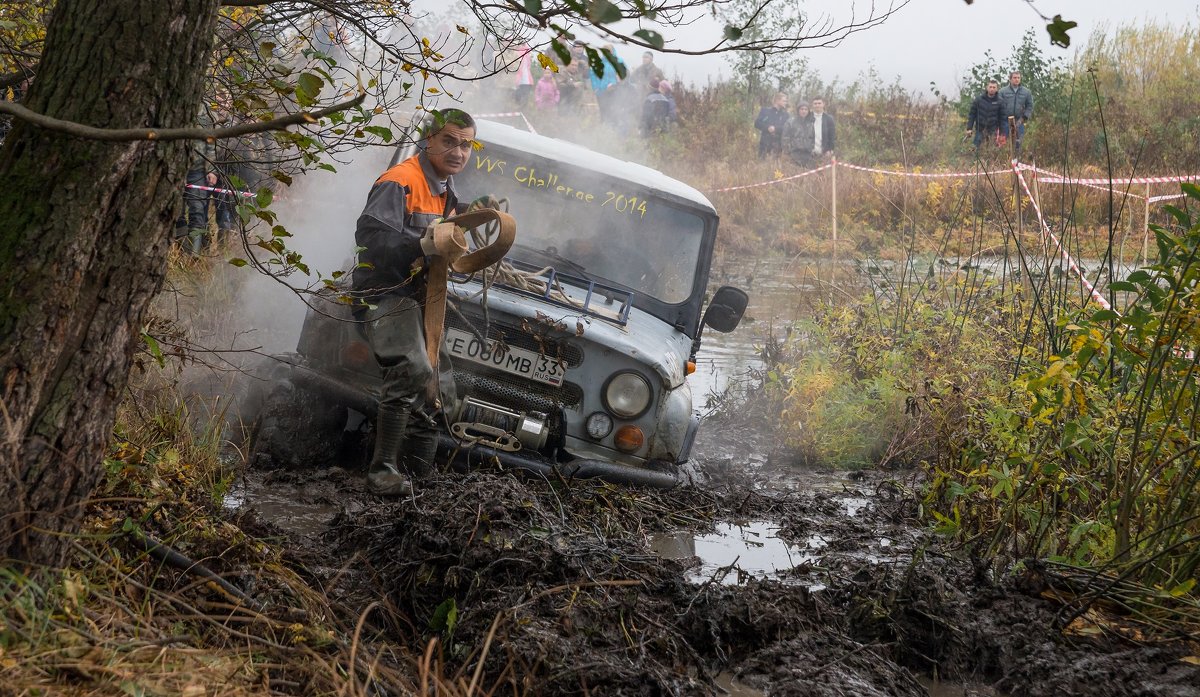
{"type": "Point", "coordinates": [546, 94]}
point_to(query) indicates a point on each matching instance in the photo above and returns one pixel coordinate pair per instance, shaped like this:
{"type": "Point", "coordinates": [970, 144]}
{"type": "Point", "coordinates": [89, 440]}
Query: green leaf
{"type": "Point", "coordinates": [445, 617]}
{"type": "Point", "coordinates": [1140, 276]}
{"type": "Point", "coordinates": [326, 166]}
{"type": "Point", "coordinates": [1190, 189]}
{"type": "Point", "coordinates": [732, 33]}
{"type": "Point", "coordinates": [238, 262]}
{"type": "Point", "coordinates": [1104, 316]}
{"type": "Point", "coordinates": [603, 12]}
{"type": "Point", "coordinates": [595, 61]}
{"type": "Point", "coordinates": [263, 197]}
{"type": "Point", "coordinates": [616, 64]}
{"type": "Point", "coordinates": [533, 6]}
{"type": "Point", "coordinates": [155, 349]}
{"type": "Point", "coordinates": [651, 37]}
{"type": "Point", "coordinates": [1179, 215]}
{"type": "Point", "coordinates": [1122, 286]}
{"type": "Point", "coordinates": [563, 53]}
{"type": "Point", "coordinates": [280, 231]}
{"type": "Point", "coordinates": [1058, 31]}
{"type": "Point", "coordinates": [381, 132]}
{"type": "Point", "coordinates": [309, 84]}
{"type": "Point", "coordinates": [282, 177]}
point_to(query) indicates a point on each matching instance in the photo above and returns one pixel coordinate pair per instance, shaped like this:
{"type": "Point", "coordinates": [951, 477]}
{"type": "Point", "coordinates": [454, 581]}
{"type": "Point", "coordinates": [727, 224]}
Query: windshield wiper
{"type": "Point", "coordinates": [552, 254]}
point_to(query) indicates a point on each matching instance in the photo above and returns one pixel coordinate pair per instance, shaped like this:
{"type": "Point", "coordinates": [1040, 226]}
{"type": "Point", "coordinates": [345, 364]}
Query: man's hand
{"type": "Point", "coordinates": [211, 179]}
{"type": "Point", "coordinates": [428, 248]}
{"type": "Point", "coordinates": [770, 129]}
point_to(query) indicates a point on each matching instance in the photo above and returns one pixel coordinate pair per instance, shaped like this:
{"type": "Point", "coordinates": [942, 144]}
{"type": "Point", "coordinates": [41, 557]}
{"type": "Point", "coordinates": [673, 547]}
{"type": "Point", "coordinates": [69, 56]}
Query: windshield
{"type": "Point", "coordinates": [608, 229]}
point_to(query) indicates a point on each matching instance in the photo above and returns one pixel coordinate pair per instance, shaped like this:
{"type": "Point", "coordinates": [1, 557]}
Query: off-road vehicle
{"type": "Point", "coordinates": [574, 358]}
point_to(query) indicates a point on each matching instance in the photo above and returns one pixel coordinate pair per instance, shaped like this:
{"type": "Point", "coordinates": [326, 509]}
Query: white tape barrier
{"type": "Point", "coordinates": [926, 175]}
{"type": "Point", "coordinates": [1044, 176]}
{"type": "Point", "coordinates": [247, 194]}
{"type": "Point", "coordinates": [777, 181]}
{"type": "Point", "coordinates": [1070, 262]}
{"type": "Point", "coordinates": [1116, 183]}
{"type": "Point", "coordinates": [1166, 197]}
{"type": "Point", "coordinates": [509, 115]}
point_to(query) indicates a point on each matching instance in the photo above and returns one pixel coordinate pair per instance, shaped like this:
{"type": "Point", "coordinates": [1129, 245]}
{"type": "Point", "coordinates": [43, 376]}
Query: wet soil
{"type": "Point", "coordinates": [759, 579]}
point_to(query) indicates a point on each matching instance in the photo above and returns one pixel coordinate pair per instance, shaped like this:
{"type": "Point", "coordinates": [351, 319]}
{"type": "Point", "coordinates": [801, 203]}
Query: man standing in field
{"type": "Point", "coordinates": [984, 117]}
{"type": "Point", "coordinates": [1015, 101]}
{"type": "Point", "coordinates": [824, 132]}
{"type": "Point", "coordinates": [770, 123]}
{"type": "Point", "coordinates": [395, 235]}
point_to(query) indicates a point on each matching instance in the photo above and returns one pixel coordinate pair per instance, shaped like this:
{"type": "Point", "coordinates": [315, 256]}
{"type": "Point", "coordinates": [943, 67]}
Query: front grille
{"type": "Point", "coordinates": [517, 393]}
{"type": "Point", "coordinates": [522, 395]}
{"type": "Point", "coordinates": [513, 336]}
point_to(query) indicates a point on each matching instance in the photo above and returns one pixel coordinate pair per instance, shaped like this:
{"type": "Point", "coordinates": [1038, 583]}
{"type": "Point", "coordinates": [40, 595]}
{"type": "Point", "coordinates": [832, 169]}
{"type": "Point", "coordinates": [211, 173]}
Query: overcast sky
{"type": "Point", "coordinates": [937, 40]}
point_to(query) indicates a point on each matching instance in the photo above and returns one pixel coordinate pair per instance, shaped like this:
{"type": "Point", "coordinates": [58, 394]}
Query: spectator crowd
{"type": "Point", "coordinates": [643, 99]}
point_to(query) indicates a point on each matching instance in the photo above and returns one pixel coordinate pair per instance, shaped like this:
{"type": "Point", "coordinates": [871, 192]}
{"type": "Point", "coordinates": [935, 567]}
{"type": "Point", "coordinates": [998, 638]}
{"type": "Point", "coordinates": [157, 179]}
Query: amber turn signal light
{"type": "Point", "coordinates": [629, 438]}
{"type": "Point", "coordinates": [691, 367]}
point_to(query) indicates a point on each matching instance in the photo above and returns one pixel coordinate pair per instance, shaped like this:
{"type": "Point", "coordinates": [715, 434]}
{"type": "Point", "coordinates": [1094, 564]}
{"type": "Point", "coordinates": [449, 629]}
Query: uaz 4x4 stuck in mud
{"type": "Point", "coordinates": [574, 357]}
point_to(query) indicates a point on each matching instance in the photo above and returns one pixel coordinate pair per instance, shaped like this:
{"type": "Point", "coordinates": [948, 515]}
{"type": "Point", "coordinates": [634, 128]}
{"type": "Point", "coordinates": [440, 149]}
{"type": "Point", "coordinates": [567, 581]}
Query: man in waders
{"type": "Point", "coordinates": [394, 234]}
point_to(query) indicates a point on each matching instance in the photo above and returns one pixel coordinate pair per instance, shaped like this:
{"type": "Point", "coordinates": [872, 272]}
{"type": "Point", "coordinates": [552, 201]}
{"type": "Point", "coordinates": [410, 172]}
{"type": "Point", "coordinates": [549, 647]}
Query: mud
{"type": "Point", "coordinates": [761, 579]}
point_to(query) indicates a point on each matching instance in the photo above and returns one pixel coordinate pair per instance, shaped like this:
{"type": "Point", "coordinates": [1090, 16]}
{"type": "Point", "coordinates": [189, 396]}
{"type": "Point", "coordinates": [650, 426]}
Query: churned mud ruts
{"type": "Point", "coordinates": [579, 588]}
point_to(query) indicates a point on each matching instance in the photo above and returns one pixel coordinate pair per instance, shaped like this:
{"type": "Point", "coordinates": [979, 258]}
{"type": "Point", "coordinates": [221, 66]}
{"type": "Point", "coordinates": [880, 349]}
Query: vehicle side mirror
{"type": "Point", "coordinates": [726, 309]}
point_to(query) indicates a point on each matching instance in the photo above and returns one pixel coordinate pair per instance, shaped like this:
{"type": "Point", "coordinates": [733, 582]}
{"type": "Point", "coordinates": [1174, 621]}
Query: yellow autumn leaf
{"type": "Point", "coordinates": [547, 62]}
{"type": "Point", "coordinates": [1193, 660]}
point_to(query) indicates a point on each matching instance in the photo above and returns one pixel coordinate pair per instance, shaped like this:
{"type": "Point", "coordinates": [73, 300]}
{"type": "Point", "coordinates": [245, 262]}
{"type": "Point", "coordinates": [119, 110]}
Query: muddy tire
{"type": "Point", "coordinates": [295, 429]}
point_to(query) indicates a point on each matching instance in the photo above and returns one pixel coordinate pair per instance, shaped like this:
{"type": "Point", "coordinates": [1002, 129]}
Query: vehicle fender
{"type": "Point", "coordinates": [674, 425]}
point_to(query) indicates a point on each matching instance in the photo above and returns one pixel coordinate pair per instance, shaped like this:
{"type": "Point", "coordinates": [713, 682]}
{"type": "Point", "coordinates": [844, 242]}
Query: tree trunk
{"type": "Point", "coordinates": [84, 231]}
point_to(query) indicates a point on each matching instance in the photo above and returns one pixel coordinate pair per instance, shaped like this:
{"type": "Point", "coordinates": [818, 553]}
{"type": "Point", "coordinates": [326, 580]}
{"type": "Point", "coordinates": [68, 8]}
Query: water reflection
{"type": "Point", "coordinates": [736, 553]}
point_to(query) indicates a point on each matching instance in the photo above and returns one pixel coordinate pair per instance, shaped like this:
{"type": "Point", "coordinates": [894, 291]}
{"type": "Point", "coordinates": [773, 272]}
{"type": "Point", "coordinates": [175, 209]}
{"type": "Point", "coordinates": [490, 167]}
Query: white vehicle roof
{"type": "Point", "coordinates": [488, 132]}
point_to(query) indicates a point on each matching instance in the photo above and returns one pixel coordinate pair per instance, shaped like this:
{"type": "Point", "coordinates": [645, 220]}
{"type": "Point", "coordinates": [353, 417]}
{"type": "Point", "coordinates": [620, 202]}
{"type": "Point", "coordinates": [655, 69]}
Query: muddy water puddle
{"type": "Point", "coordinates": [303, 509]}
{"type": "Point", "coordinates": [736, 553]}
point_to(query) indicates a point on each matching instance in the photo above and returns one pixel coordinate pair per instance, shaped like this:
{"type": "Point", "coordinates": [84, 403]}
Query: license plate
{"type": "Point", "coordinates": [518, 361]}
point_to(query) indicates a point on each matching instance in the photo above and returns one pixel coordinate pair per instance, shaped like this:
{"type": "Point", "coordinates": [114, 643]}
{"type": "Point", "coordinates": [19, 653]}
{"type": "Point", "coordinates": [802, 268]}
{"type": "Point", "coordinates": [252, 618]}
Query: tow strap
{"type": "Point", "coordinates": [449, 236]}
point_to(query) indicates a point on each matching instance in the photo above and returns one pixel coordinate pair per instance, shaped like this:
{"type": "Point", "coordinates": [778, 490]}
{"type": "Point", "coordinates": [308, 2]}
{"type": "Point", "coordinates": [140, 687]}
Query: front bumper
{"type": "Point", "coordinates": [477, 455]}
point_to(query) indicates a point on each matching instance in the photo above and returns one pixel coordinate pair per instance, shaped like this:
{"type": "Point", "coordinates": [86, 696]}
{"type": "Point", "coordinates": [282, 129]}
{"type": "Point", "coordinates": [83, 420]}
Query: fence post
{"type": "Point", "coordinates": [833, 186]}
{"type": "Point", "coordinates": [1146, 226]}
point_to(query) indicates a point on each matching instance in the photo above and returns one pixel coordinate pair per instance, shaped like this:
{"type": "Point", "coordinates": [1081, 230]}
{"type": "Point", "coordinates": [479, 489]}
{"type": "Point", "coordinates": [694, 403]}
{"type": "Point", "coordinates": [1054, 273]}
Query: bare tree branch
{"type": "Point", "coordinates": [127, 134]}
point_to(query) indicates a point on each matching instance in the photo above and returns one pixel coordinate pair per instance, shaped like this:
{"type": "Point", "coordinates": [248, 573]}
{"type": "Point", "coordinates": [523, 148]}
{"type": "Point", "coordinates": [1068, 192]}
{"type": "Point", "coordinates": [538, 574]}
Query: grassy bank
{"type": "Point", "coordinates": [1050, 429]}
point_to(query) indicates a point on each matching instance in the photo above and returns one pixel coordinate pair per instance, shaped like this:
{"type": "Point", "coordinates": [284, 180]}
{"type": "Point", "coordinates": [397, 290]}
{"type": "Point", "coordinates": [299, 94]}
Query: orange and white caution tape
{"type": "Point", "coordinates": [1062, 251]}
{"type": "Point", "coordinates": [217, 190]}
{"type": "Point", "coordinates": [776, 181]}
{"type": "Point", "coordinates": [1166, 197]}
{"type": "Point", "coordinates": [509, 115]}
{"type": "Point", "coordinates": [927, 175]}
{"type": "Point", "coordinates": [1059, 179]}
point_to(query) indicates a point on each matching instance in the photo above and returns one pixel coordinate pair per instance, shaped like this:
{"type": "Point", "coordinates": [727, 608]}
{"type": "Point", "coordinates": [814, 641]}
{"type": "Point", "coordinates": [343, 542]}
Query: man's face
{"type": "Point", "coordinates": [1015, 79]}
{"type": "Point", "coordinates": [992, 89]}
{"type": "Point", "coordinates": [780, 101]}
{"type": "Point", "coordinates": [449, 149]}
{"type": "Point", "coordinates": [647, 59]}
{"type": "Point", "coordinates": [819, 106]}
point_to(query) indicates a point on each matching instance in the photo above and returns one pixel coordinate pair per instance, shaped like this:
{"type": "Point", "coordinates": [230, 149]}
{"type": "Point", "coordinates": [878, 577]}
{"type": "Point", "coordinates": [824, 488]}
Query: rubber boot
{"type": "Point", "coordinates": [196, 240]}
{"type": "Point", "coordinates": [384, 477]}
{"type": "Point", "coordinates": [421, 446]}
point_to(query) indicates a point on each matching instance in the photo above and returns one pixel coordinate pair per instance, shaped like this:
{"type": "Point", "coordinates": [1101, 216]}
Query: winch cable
{"type": "Point", "coordinates": [504, 272]}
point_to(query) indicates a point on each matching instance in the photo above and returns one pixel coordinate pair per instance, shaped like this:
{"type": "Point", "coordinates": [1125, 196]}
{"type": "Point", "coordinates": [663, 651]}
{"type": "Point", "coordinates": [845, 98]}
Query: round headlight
{"type": "Point", "coordinates": [627, 395]}
{"type": "Point", "coordinates": [599, 425]}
